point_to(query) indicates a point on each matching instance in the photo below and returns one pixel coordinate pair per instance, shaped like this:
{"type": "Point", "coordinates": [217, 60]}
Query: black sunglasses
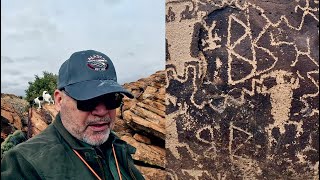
{"type": "Point", "coordinates": [111, 101]}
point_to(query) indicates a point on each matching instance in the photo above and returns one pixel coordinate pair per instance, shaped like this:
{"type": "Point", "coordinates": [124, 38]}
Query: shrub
{"type": "Point", "coordinates": [46, 83]}
{"type": "Point", "coordinates": [12, 140]}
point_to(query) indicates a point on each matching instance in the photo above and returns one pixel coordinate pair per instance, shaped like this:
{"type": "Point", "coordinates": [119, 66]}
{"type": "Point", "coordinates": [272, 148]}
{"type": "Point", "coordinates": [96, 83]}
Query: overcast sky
{"type": "Point", "coordinates": [39, 35]}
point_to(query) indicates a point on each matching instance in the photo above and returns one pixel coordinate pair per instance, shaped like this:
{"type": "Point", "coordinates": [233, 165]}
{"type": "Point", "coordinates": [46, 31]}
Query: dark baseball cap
{"type": "Point", "coordinates": [89, 74]}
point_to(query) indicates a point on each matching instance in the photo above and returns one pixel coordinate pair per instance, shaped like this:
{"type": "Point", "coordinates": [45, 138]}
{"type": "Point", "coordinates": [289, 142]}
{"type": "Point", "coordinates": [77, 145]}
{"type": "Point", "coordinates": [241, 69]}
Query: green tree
{"type": "Point", "coordinates": [46, 83]}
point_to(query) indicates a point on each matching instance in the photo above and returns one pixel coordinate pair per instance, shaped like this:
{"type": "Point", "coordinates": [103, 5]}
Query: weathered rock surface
{"type": "Point", "coordinates": [149, 154]}
{"type": "Point", "coordinates": [13, 115]}
{"type": "Point", "coordinates": [152, 173]}
{"type": "Point", "coordinates": [41, 118]}
{"type": "Point", "coordinates": [242, 89]}
{"type": "Point", "coordinates": [147, 111]}
{"type": "Point", "coordinates": [141, 123]}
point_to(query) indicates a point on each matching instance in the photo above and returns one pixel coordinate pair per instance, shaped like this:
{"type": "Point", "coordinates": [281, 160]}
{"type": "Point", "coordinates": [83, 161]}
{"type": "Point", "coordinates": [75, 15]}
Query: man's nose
{"type": "Point", "coordinates": [100, 110]}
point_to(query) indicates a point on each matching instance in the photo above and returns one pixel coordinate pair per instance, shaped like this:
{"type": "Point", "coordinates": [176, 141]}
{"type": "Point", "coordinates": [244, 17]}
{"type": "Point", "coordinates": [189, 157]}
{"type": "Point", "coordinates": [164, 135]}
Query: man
{"type": "Point", "coordinates": [79, 144]}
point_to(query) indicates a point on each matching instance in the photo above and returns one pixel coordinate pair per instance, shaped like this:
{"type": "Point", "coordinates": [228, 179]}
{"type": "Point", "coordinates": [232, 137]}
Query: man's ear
{"type": "Point", "coordinates": [58, 99]}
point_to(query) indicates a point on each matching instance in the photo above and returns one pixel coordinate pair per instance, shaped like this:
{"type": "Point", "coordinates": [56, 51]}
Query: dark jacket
{"type": "Point", "coordinates": [49, 155]}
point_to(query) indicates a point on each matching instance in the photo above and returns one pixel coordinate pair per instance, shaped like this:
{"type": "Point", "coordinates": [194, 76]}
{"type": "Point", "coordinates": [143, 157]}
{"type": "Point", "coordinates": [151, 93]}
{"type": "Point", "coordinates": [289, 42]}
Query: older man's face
{"type": "Point", "coordinates": [92, 127]}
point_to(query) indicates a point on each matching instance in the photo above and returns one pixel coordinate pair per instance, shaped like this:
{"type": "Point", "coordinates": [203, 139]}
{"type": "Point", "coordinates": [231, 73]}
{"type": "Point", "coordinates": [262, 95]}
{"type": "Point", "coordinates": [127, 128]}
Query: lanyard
{"type": "Point", "coordinates": [90, 168]}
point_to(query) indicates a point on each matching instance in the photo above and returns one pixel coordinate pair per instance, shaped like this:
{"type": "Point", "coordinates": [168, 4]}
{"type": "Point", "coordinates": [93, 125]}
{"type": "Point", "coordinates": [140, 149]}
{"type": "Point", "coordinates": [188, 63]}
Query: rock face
{"type": "Point", "coordinates": [140, 121]}
{"type": "Point", "coordinates": [242, 89]}
{"type": "Point", "coordinates": [145, 117]}
{"type": "Point", "coordinates": [146, 113]}
{"type": "Point", "coordinates": [13, 114]}
{"type": "Point", "coordinates": [41, 118]}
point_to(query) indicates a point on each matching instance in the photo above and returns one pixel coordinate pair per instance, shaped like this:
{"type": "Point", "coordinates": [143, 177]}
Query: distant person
{"type": "Point", "coordinates": [79, 144]}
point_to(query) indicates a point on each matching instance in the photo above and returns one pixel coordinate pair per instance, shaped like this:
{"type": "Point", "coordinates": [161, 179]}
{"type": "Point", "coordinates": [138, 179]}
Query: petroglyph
{"type": "Point", "coordinates": [196, 174]}
{"type": "Point", "coordinates": [242, 89]}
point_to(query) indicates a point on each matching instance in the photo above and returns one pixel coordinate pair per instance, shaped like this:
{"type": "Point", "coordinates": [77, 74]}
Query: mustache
{"type": "Point", "coordinates": [96, 121]}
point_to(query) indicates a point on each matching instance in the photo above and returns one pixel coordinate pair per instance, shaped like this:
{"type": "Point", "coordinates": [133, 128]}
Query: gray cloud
{"type": "Point", "coordinates": [112, 2]}
{"type": "Point", "coordinates": [5, 59]}
{"type": "Point", "coordinates": [8, 84]}
{"type": "Point", "coordinates": [39, 36]}
{"type": "Point", "coordinates": [13, 72]}
{"type": "Point", "coordinates": [130, 54]}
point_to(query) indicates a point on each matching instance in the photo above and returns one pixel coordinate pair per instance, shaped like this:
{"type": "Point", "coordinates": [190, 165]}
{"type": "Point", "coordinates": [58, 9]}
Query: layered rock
{"type": "Point", "coordinates": [13, 114]}
{"type": "Point", "coordinates": [41, 118]}
{"type": "Point", "coordinates": [147, 153]}
{"type": "Point", "coordinates": [144, 117]}
{"type": "Point", "coordinates": [146, 112]}
{"type": "Point", "coordinates": [152, 173]}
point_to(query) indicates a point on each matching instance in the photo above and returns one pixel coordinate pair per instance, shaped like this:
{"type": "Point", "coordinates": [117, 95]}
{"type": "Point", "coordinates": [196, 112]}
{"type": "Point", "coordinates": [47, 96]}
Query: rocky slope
{"type": "Point", "coordinates": [140, 121]}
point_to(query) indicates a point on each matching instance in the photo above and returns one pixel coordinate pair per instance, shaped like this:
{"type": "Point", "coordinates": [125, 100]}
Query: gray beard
{"type": "Point", "coordinates": [96, 143]}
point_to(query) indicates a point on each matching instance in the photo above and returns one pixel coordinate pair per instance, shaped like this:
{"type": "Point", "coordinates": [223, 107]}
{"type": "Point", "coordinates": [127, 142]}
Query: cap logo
{"type": "Point", "coordinates": [97, 63]}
